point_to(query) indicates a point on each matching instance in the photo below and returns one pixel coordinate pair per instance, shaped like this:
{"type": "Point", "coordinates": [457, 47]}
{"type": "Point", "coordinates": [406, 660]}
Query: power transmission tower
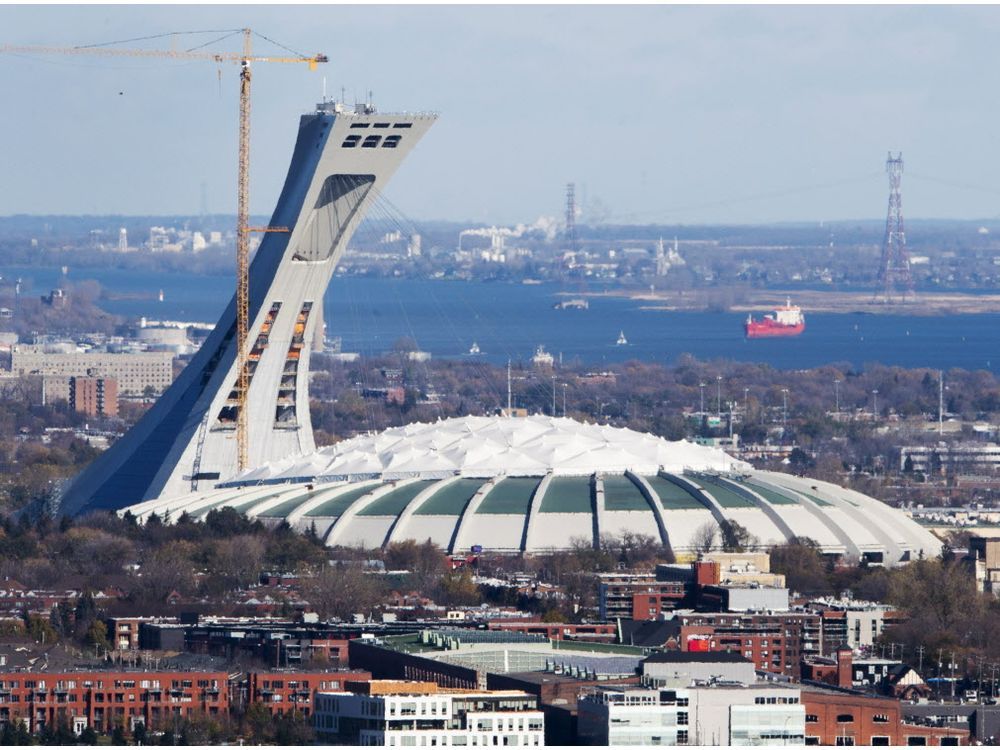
{"type": "Point", "coordinates": [894, 277]}
{"type": "Point", "coordinates": [571, 237]}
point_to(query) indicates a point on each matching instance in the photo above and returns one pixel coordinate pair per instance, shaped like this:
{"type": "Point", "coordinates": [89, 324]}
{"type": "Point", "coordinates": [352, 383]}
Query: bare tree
{"type": "Point", "coordinates": [703, 539]}
{"type": "Point", "coordinates": [343, 590]}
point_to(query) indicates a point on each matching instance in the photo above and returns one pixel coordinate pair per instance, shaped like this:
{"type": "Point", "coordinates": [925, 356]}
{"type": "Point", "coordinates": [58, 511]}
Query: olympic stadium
{"type": "Point", "coordinates": [537, 484]}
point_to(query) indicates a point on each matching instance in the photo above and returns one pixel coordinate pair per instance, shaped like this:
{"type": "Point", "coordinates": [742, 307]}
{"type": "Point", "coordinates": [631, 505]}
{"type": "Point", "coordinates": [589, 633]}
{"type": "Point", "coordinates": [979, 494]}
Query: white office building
{"type": "Point", "coordinates": [391, 713]}
{"type": "Point", "coordinates": [719, 714]}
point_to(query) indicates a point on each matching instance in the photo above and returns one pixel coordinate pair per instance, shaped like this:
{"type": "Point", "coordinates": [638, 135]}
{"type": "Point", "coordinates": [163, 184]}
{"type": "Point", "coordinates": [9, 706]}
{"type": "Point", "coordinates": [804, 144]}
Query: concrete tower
{"type": "Point", "coordinates": [187, 440]}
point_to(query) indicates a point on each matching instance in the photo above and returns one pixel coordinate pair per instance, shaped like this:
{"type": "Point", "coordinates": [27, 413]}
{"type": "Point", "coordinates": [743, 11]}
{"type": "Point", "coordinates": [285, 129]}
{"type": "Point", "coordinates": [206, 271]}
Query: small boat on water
{"type": "Point", "coordinates": [622, 341]}
{"type": "Point", "coordinates": [474, 349]}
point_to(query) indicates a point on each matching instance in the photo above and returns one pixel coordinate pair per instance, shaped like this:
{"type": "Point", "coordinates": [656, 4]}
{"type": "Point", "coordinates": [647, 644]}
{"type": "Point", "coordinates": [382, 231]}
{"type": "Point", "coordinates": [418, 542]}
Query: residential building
{"type": "Point", "coordinates": [724, 713]}
{"type": "Point", "coordinates": [104, 699]}
{"type": "Point", "coordinates": [123, 632]}
{"type": "Point", "coordinates": [393, 713]}
{"type": "Point", "coordinates": [637, 596]}
{"type": "Point", "coordinates": [95, 397]}
{"type": "Point", "coordinates": [286, 691]}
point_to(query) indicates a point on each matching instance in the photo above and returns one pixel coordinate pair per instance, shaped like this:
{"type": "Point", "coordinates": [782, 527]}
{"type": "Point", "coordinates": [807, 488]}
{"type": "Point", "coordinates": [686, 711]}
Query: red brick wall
{"type": "Point", "coordinates": [827, 714]}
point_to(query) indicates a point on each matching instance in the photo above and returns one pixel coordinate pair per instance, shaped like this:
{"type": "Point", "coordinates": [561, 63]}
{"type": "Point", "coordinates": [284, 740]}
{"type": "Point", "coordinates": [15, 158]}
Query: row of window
{"type": "Point", "coordinates": [883, 741]}
{"type": "Point", "coordinates": [849, 718]}
{"type": "Point", "coordinates": [409, 740]}
{"type": "Point", "coordinates": [372, 141]}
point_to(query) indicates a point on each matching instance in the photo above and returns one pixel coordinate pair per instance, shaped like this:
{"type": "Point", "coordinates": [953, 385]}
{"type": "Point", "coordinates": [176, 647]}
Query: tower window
{"type": "Point", "coordinates": [371, 141]}
{"type": "Point", "coordinates": [391, 141]}
{"type": "Point", "coordinates": [351, 141]}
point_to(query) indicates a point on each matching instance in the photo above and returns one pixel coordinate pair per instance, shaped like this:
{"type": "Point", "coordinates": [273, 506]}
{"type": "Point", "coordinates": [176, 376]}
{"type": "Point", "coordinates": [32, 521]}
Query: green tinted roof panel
{"type": "Point", "coordinates": [673, 496]}
{"type": "Point", "coordinates": [567, 495]}
{"type": "Point", "coordinates": [395, 501]}
{"type": "Point", "coordinates": [621, 493]}
{"type": "Point", "coordinates": [510, 496]}
{"type": "Point", "coordinates": [451, 499]}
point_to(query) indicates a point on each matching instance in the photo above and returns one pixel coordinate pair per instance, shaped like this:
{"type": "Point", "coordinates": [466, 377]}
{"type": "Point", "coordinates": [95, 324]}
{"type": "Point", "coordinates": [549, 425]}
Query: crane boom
{"type": "Point", "coordinates": [243, 227]}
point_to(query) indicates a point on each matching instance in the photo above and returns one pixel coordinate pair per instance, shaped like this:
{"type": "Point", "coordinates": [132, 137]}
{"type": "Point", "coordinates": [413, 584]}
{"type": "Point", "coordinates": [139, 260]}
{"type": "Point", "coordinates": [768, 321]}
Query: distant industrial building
{"type": "Point", "coordinates": [951, 458]}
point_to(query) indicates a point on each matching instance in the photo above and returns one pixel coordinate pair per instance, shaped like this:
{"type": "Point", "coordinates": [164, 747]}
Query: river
{"type": "Point", "coordinates": [508, 321]}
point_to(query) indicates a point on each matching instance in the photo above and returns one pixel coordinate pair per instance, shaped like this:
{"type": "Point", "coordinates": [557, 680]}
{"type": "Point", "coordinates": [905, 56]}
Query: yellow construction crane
{"type": "Point", "coordinates": [243, 228]}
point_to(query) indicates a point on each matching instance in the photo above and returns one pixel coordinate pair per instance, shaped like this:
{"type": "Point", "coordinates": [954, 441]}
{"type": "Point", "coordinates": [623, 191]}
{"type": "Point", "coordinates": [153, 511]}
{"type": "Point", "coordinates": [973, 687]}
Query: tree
{"type": "Point", "coordinates": [343, 590]}
{"type": "Point", "coordinates": [457, 588]}
{"type": "Point", "coordinates": [97, 635]}
{"type": "Point", "coordinates": [802, 564]}
{"type": "Point", "coordinates": [703, 539]}
{"type": "Point", "coordinates": [736, 537]}
{"type": "Point", "coordinates": [87, 737]}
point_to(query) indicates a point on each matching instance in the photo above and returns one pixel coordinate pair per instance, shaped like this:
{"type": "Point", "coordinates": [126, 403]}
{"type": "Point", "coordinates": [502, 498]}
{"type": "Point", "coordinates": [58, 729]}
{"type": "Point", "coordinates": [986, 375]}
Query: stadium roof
{"type": "Point", "coordinates": [536, 484]}
{"type": "Point", "coordinates": [487, 446]}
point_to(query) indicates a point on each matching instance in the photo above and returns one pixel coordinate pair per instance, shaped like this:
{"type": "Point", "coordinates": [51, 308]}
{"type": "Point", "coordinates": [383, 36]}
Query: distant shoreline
{"type": "Point", "coordinates": [811, 301]}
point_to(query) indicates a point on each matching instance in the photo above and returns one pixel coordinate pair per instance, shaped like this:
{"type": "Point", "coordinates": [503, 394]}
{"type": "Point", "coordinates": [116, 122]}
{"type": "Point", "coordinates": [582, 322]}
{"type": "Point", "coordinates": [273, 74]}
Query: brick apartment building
{"type": "Point", "coordinates": [637, 596]}
{"type": "Point", "coordinates": [95, 397]}
{"type": "Point", "coordinates": [775, 641]}
{"type": "Point", "coordinates": [287, 692]}
{"type": "Point", "coordinates": [104, 699]}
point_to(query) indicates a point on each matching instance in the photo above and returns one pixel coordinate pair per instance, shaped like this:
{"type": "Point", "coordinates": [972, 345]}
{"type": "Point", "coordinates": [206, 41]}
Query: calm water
{"type": "Point", "coordinates": [510, 320]}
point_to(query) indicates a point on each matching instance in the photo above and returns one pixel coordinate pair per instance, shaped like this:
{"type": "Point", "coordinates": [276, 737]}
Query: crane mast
{"type": "Point", "coordinates": [243, 227]}
{"type": "Point", "coordinates": [243, 261]}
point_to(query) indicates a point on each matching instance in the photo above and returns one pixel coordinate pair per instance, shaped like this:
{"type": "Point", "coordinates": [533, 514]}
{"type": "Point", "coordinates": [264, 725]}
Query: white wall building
{"type": "Point", "coordinates": [720, 714]}
{"type": "Point", "coordinates": [391, 713]}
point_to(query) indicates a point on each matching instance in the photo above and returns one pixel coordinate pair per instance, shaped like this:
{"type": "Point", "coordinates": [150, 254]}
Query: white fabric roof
{"type": "Point", "coordinates": [488, 446]}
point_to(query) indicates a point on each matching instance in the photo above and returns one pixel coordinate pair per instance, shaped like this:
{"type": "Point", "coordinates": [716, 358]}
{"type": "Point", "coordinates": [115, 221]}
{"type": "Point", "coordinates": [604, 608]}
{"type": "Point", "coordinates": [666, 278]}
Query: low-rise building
{"type": "Point", "coordinates": [845, 718]}
{"type": "Point", "coordinates": [724, 713]}
{"type": "Point", "coordinates": [283, 692]}
{"type": "Point", "coordinates": [395, 713]}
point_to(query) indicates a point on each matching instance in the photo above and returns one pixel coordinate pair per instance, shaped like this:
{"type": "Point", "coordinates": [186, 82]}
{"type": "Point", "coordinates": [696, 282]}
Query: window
{"type": "Point", "coordinates": [359, 124]}
{"type": "Point", "coordinates": [371, 141]}
{"type": "Point", "coordinates": [845, 741]}
{"type": "Point", "coordinates": [403, 125]}
{"type": "Point", "coordinates": [949, 740]}
{"type": "Point", "coordinates": [845, 718]}
{"type": "Point", "coordinates": [811, 718]}
{"type": "Point", "coordinates": [381, 124]}
{"type": "Point", "coordinates": [812, 740]}
{"type": "Point", "coordinates": [682, 718]}
{"type": "Point", "coordinates": [682, 737]}
{"type": "Point", "coordinates": [879, 740]}
{"type": "Point", "coordinates": [880, 719]}
{"type": "Point", "coordinates": [391, 141]}
{"type": "Point", "coordinates": [351, 141]}
{"type": "Point", "coordinates": [916, 740]}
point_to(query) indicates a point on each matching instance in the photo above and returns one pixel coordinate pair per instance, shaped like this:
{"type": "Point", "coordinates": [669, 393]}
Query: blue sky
{"type": "Point", "coordinates": [658, 113]}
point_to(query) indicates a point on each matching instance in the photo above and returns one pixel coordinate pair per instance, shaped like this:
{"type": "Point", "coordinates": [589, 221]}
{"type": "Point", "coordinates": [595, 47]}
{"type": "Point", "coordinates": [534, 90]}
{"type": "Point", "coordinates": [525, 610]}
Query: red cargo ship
{"type": "Point", "coordinates": [784, 321]}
